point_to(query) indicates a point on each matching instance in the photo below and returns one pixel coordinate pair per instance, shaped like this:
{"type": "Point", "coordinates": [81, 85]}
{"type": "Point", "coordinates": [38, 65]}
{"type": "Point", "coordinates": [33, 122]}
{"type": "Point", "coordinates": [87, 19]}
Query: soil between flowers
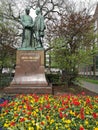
{"type": "Point", "coordinates": [59, 90]}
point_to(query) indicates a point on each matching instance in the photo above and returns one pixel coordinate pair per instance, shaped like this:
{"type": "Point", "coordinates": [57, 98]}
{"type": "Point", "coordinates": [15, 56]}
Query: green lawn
{"type": "Point", "coordinates": [90, 80]}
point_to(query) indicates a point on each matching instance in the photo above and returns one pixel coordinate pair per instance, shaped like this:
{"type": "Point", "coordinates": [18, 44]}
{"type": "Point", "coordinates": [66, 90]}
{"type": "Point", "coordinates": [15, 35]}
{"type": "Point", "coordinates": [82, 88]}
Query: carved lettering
{"type": "Point", "coordinates": [30, 58]}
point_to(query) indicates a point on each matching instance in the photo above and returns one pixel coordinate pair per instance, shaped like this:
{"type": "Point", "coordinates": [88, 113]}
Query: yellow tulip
{"type": "Point", "coordinates": [33, 122]}
{"type": "Point", "coordinates": [6, 125]}
{"type": "Point", "coordinates": [96, 128]}
{"type": "Point", "coordinates": [86, 122]}
{"type": "Point", "coordinates": [68, 121]}
{"type": "Point", "coordinates": [51, 121]}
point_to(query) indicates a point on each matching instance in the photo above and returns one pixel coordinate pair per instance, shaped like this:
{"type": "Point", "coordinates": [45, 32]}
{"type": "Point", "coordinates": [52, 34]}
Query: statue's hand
{"type": "Point", "coordinates": [42, 34]}
{"type": "Point", "coordinates": [31, 25]}
{"type": "Point", "coordinates": [28, 26]}
{"type": "Point", "coordinates": [25, 25]}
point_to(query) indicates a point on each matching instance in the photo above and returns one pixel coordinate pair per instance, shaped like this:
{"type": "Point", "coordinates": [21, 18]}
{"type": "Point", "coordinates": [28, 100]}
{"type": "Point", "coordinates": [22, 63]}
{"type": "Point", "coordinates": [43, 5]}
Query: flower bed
{"type": "Point", "coordinates": [47, 112]}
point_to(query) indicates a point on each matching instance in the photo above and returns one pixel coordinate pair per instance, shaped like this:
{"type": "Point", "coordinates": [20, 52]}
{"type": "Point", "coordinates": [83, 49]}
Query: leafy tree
{"type": "Point", "coordinates": [8, 35]}
{"type": "Point", "coordinates": [73, 43]}
{"type": "Point", "coordinates": [7, 52]}
{"type": "Point", "coordinates": [7, 57]}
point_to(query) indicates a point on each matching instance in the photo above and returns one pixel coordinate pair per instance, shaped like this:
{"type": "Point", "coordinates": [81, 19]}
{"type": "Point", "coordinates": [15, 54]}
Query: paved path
{"type": "Point", "coordinates": [90, 86]}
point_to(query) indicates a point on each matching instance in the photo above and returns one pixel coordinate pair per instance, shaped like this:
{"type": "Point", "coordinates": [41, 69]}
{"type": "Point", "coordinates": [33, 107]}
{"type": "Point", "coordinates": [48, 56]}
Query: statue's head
{"type": "Point", "coordinates": [27, 10]}
{"type": "Point", "coordinates": [38, 11]}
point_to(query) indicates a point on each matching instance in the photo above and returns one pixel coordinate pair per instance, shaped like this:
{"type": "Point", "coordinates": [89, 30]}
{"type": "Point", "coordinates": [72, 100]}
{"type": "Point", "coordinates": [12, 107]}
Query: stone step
{"type": "Point", "coordinates": [28, 90]}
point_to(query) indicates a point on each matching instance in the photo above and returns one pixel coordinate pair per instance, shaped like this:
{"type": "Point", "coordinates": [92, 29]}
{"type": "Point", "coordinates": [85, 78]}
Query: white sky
{"type": "Point", "coordinates": [88, 3]}
{"type": "Point", "coordinates": [32, 13]}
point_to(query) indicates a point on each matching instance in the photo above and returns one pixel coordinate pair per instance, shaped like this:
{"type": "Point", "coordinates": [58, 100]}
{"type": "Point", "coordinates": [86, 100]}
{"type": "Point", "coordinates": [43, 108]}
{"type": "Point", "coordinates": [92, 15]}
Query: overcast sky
{"type": "Point", "coordinates": [92, 1]}
{"type": "Point", "coordinates": [91, 4]}
{"type": "Point", "coordinates": [80, 4]}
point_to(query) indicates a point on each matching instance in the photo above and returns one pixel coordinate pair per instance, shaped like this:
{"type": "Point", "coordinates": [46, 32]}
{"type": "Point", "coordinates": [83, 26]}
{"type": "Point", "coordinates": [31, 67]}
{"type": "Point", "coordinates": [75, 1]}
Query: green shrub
{"type": "Point", "coordinates": [5, 80]}
{"type": "Point", "coordinates": [53, 78]}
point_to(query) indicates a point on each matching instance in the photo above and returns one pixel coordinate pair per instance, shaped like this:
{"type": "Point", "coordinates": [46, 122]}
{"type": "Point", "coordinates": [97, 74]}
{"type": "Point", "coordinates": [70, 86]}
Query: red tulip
{"type": "Point", "coordinates": [22, 119]}
{"type": "Point", "coordinates": [61, 115]}
{"type": "Point", "coordinates": [82, 116]}
{"type": "Point", "coordinates": [48, 106]}
{"type": "Point", "coordinates": [83, 93]}
{"type": "Point", "coordinates": [95, 115]}
{"type": "Point", "coordinates": [42, 123]}
{"type": "Point", "coordinates": [12, 123]}
{"type": "Point", "coordinates": [62, 109]}
{"type": "Point", "coordinates": [81, 128]}
{"type": "Point", "coordinates": [87, 100]}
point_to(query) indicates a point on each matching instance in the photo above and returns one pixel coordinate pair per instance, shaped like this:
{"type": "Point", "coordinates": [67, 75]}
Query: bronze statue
{"type": "Point", "coordinates": [39, 27]}
{"type": "Point", "coordinates": [27, 23]}
{"type": "Point", "coordinates": [33, 32]}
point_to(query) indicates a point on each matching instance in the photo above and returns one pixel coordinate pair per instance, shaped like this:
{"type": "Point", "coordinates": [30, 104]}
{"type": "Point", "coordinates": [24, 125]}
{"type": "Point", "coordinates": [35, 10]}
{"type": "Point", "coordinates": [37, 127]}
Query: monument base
{"type": "Point", "coordinates": [28, 90]}
{"type": "Point", "coordinates": [29, 74]}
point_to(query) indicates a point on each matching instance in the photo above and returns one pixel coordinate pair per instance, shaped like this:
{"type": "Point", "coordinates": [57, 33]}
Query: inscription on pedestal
{"type": "Point", "coordinates": [30, 63]}
{"type": "Point", "coordinates": [30, 56]}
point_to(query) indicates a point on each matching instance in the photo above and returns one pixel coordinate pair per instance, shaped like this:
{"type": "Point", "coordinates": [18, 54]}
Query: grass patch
{"type": "Point", "coordinates": [89, 80]}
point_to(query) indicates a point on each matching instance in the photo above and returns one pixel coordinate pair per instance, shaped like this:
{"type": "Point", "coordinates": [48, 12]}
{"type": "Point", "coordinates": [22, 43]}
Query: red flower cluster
{"type": "Point", "coordinates": [4, 103]}
{"type": "Point", "coordinates": [76, 102]}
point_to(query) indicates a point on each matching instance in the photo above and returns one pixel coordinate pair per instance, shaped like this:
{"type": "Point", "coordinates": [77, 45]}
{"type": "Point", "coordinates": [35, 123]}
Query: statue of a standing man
{"type": "Point", "coordinates": [39, 27]}
{"type": "Point", "coordinates": [27, 23]}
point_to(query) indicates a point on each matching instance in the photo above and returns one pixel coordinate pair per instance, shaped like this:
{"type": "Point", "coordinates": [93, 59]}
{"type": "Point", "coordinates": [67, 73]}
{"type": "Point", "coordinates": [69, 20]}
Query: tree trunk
{"type": "Point", "coordinates": [94, 67]}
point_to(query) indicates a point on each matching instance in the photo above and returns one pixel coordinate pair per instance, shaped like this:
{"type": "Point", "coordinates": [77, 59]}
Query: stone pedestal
{"type": "Point", "coordinates": [29, 73]}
